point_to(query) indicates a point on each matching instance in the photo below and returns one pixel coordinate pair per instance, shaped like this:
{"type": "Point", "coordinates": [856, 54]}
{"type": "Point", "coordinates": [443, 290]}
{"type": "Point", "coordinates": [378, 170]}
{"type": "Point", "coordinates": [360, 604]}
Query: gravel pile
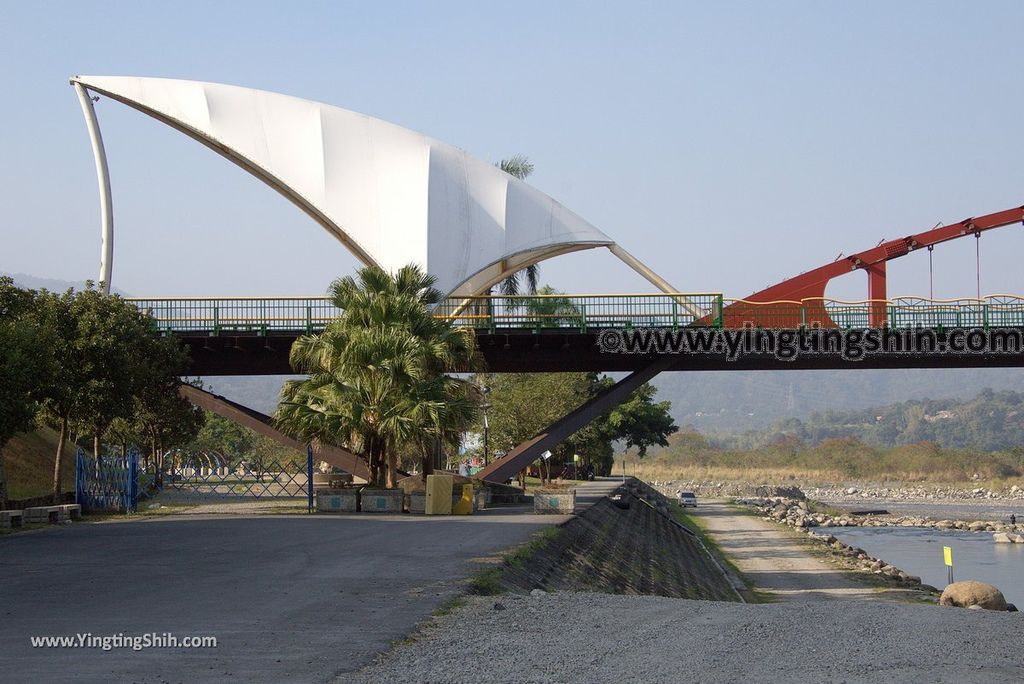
{"type": "Point", "coordinates": [567, 637]}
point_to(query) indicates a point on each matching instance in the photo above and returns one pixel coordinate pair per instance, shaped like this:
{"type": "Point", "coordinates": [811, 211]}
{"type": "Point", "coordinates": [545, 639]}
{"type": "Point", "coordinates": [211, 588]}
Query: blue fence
{"type": "Point", "coordinates": [113, 483]}
{"type": "Point", "coordinates": [117, 483]}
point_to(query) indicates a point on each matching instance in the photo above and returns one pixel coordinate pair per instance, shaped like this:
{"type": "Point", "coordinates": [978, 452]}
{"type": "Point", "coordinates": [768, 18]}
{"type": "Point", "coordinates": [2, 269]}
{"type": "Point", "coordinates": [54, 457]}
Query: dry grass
{"type": "Point", "coordinates": [28, 463]}
{"type": "Point", "coordinates": [677, 472]}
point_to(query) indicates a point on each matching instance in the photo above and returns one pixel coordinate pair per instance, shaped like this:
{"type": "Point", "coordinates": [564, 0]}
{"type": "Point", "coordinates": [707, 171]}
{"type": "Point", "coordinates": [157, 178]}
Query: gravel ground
{"type": "Point", "coordinates": [566, 637]}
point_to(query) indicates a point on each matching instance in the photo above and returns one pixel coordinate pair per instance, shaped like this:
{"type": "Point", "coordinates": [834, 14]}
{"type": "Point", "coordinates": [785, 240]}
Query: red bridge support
{"type": "Point", "coordinates": [811, 285]}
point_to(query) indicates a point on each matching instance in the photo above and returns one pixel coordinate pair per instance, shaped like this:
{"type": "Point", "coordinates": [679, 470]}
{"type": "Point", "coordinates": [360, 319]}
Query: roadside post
{"type": "Point", "coordinates": [947, 555]}
{"type": "Point", "coordinates": [309, 477]}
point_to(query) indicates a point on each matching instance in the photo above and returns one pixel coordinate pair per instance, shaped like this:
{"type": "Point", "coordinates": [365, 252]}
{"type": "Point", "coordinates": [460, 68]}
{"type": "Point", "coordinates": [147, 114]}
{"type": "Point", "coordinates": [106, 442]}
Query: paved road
{"type": "Point", "coordinates": [291, 598]}
{"type": "Point", "coordinates": [775, 559]}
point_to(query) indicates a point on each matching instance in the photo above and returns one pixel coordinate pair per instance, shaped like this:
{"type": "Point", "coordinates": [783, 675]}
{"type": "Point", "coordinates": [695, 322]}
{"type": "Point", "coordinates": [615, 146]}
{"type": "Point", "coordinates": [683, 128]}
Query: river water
{"type": "Point", "coordinates": [918, 551]}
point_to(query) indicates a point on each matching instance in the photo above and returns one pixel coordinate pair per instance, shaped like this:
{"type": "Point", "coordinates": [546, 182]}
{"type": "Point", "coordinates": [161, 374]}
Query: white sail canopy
{"type": "Point", "coordinates": [391, 195]}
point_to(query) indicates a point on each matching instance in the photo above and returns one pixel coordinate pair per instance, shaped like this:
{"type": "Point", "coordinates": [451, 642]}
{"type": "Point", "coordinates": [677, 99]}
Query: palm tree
{"type": "Point", "coordinates": [520, 167]}
{"type": "Point", "coordinates": [377, 374]}
{"type": "Point", "coordinates": [551, 311]}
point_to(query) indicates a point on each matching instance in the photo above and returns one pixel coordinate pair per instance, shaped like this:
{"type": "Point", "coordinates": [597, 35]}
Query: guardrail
{"type": "Point", "coordinates": [279, 315]}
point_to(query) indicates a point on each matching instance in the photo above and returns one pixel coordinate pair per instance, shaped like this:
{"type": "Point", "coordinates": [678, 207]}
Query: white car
{"type": "Point", "coordinates": [687, 499]}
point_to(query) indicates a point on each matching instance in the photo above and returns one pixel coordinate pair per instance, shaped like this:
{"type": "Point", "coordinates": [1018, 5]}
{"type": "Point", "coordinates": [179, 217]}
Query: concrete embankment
{"type": "Point", "coordinates": [610, 549]}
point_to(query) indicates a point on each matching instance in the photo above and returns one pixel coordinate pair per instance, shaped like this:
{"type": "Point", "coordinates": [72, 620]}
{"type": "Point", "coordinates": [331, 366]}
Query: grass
{"type": "Point", "coordinates": [518, 556]}
{"type": "Point", "coordinates": [488, 581]}
{"type": "Point", "coordinates": [28, 463]}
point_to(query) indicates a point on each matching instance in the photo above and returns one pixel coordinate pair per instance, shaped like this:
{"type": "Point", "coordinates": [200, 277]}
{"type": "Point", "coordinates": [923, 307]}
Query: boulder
{"type": "Point", "coordinates": [971, 593]}
{"type": "Point", "coordinates": [1002, 538]}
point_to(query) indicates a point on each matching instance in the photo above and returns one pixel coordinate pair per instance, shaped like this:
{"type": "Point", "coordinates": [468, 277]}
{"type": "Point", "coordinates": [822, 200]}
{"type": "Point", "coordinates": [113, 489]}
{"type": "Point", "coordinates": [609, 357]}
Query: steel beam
{"type": "Point", "coordinates": [563, 428]}
{"type": "Point", "coordinates": [262, 424]}
{"type": "Point", "coordinates": [811, 284]}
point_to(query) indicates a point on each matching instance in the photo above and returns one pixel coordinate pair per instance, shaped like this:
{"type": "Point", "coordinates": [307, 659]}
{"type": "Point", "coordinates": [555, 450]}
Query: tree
{"type": "Point", "coordinates": [160, 415]}
{"type": "Point", "coordinates": [61, 397]}
{"type": "Point", "coordinates": [24, 367]}
{"type": "Point", "coordinates": [223, 437]}
{"type": "Point", "coordinates": [120, 359]}
{"type": "Point", "coordinates": [377, 374]}
{"type": "Point", "coordinates": [520, 167]}
{"type": "Point", "coordinates": [639, 421]}
{"type": "Point", "coordinates": [524, 404]}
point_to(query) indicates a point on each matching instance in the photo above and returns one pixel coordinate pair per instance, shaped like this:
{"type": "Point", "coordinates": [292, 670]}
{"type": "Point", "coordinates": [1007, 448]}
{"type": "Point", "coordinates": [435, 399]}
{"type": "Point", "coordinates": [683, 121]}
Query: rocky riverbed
{"type": "Point", "coordinates": [799, 515]}
{"type": "Point", "coordinates": [853, 493]}
{"type": "Point", "coordinates": [935, 502]}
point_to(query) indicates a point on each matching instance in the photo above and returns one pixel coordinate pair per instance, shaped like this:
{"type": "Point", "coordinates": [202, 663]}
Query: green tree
{"type": "Point", "coordinates": [223, 437]}
{"type": "Point", "coordinates": [377, 374]}
{"type": "Point", "coordinates": [118, 352]}
{"type": "Point", "coordinates": [24, 367]}
{"type": "Point", "coordinates": [161, 417]}
{"type": "Point", "coordinates": [524, 404]}
{"type": "Point", "coordinates": [63, 394]}
{"type": "Point", "coordinates": [639, 421]}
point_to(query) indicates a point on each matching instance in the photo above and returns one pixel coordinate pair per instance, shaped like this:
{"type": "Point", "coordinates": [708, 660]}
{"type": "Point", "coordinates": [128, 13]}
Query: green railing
{"type": "Point", "coordinates": [289, 315]}
{"type": "Point", "coordinates": [269, 315]}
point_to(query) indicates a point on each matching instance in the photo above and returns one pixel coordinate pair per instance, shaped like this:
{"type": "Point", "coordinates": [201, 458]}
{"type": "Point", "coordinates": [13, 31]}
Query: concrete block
{"type": "Point", "coordinates": [43, 514]}
{"type": "Point", "coordinates": [554, 501]}
{"type": "Point", "coordinates": [381, 500]}
{"type": "Point", "coordinates": [337, 500]}
{"type": "Point", "coordinates": [9, 519]}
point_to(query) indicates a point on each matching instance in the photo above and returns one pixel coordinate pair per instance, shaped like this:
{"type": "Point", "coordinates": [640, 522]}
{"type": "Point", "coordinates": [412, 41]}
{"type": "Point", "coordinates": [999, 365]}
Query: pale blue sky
{"type": "Point", "coordinates": [728, 145]}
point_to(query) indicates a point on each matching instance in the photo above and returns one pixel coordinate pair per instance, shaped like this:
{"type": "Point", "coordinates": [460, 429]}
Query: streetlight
{"type": "Point", "coordinates": [484, 391]}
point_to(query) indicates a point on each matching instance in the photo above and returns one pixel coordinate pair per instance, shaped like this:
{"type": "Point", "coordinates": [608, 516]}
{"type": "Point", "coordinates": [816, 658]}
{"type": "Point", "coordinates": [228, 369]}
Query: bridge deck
{"type": "Point", "coordinates": [549, 333]}
{"type": "Point", "coordinates": [231, 316]}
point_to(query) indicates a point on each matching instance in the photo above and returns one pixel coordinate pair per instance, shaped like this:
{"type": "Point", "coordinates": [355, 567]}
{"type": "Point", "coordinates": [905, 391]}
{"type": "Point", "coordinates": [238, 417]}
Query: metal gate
{"type": "Point", "coordinates": [199, 478]}
{"type": "Point", "coordinates": [111, 483]}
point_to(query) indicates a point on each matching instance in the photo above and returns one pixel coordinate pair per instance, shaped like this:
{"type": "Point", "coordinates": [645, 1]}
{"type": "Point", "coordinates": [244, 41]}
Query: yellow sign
{"type": "Point", "coordinates": [947, 554]}
{"type": "Point", "coordinates": [575, 458]}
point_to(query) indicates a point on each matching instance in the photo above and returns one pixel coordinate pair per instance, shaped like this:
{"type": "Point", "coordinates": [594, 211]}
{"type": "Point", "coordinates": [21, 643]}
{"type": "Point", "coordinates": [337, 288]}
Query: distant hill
{"type": "Point", "coordinates": [991, 421]}
{"type": "Point", "coordinates": [257, 392]}
{"type": "Point", "coordinates": [32, 282]}
{"type": "Point", "coordinates": [735, 401]}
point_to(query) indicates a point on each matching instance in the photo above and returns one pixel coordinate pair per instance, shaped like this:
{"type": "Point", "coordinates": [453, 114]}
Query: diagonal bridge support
{"type": "Point", "coordinates": [530, 450]}
{"type": "Point", "coordinates": [263, 425]}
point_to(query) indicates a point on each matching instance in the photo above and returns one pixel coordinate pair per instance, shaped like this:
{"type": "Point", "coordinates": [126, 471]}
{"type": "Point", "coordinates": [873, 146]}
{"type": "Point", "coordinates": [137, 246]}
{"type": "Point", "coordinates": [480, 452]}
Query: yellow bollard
{"type": "Point", "coordinates": [464, 506]}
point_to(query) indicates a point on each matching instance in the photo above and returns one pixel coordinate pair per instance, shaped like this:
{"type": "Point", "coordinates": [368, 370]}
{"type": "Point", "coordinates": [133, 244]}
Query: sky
{"type": "Point", "coordinates": [727, 145]}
